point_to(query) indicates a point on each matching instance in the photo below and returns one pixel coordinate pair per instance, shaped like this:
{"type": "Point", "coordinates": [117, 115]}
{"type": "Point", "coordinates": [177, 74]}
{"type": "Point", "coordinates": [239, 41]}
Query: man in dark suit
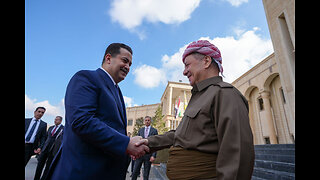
{"type": "Point", "coordinates": [35, 134]}
{"type": "Point", "coordinates": [147, 159]}
{"type": "Point", "coordinates": [53, 131]}
{"type": "Point", "coordinates": [52, 152]}
{"type": "Point", "coordinates": [95, 144]}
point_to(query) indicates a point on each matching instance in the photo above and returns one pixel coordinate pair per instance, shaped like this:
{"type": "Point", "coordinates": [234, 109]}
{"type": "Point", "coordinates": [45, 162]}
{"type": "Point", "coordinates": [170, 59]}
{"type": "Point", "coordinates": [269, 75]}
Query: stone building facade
{"type": "Point", "coordinates": [169, 104]}
{"type": "Point", "coordinates": [281, 22]}
{"type": "Point", "coordinates": [269, 111]}
{"type": "Point", "coordinates": [174, 101]}
{"type": "Point", "coordinates": [136, 112]}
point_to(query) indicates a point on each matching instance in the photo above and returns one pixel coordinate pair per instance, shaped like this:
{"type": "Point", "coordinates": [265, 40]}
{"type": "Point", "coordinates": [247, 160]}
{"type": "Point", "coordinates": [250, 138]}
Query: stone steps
{"type": "Point", "coordinates": [274, 161]}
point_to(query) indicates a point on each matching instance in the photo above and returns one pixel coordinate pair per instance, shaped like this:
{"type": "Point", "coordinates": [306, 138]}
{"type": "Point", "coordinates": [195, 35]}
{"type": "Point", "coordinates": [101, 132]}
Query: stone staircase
{"type": "Point", "coordinates": [274, 161]}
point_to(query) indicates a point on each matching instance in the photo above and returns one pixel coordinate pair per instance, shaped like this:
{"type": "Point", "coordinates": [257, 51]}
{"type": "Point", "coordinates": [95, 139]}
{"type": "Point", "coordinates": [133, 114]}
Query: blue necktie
{"type": "Point", "coordinates": [31, 131]}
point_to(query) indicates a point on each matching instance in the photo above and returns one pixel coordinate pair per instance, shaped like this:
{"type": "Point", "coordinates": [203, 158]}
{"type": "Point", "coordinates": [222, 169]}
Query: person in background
{"type": "Point", "coordinates": [214, 139]}
{"type": "Point", "coordinates": [34, 134]}
{"type": "Point", "coordinates": [52, 152]}
{"type": "Point", "coordinates": [147, 159]}
{"type": "Point", "coordinates": [51, 136]}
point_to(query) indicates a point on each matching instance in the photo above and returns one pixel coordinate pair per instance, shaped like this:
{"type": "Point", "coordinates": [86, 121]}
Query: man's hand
{"type": "Point", "coordinates": [139, 143]}
{"type": "Point", "coordinates": [152, 159]}
{"type": "Point", "coordinates": [142, 141]}
{"type": "Point", "coordinates": [134, 150]}
{"type": "Point", "coordinates": [37, 151]}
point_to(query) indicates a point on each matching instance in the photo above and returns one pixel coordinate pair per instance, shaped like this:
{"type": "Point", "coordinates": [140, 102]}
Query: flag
{"type": "Point", "coordinates": [185, 100]}
{"type": "Point", "coordinates": [177, 109]}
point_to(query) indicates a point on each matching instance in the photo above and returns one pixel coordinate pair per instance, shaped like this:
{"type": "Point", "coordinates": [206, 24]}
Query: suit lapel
{"type": "Point", "coordinates": [58, 130]}
{"type": "Point", "coordinates": [41, 125]}
{"type": "Point", "coordinates": [38, 130]}
{"type": "Point", "coordinates": [150, 131]}
{"type": "Point", "coordinates": [113, 90]}
{"type": "Point", "coordinates": [28, 121]}
{"type": "Point", "coordinates": [49, 130]}
{"type": "Point", "coordinates": [143, 130]}
{"type": "Point", "coordinates": [123, 107]}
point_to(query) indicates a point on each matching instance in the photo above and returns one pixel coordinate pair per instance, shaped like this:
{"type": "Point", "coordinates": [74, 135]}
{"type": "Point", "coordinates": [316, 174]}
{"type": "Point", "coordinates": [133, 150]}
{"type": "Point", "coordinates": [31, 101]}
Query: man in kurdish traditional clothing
{"type": "Point", "coordinates": [214, 139]}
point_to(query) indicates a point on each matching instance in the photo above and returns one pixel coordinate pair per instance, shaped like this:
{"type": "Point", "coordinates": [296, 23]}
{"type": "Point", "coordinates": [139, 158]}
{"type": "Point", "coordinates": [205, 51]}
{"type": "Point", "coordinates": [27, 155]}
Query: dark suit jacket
{"type": "Point", "coordinates": [57, 143]}
{"type": "Point", "coordinates": [40, 137]}
{"type": "Point", "coordinates": [94, 139]}
{"type": "Point", "coordinates": [52, 151]}
{"type": "Point", "coordinates": [152, 132]}
{"type": "Point", "coordinates": [50, 139]}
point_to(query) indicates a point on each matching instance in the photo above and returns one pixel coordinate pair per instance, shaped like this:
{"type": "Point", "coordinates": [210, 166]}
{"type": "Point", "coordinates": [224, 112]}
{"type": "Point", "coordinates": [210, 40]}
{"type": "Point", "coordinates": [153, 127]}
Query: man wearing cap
{"type": "Point", "coordinates": [214, 139]}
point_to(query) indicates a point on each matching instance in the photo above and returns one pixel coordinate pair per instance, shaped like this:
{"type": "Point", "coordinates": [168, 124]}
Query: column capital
{"type": "Point", "coordinates": [265, 94]}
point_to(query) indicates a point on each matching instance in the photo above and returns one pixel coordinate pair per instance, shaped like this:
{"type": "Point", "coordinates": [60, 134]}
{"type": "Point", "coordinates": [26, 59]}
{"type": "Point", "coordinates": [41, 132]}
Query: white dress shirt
{"type": "Point", "coordinates": [56, 128]}
{"type": "Point", "coordinates": [109, 75]}
{"type": "Point", "coordinates": [34, 132]}
{"type": "Point", "coordinates": [146, 131]}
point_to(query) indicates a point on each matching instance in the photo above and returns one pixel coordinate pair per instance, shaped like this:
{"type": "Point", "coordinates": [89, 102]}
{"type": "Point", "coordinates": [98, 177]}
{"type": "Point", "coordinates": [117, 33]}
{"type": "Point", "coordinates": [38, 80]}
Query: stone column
{"type": "Point", "coordinates": [170, 101]}
{"type": "Point", "coordinates": [267, 107]}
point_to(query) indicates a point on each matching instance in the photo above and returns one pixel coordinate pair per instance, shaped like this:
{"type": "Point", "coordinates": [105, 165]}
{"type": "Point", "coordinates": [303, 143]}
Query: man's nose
{"type": "Point", "coordinates": [127, 67]}
{"type": "Point", "coordinates": [185, 71]}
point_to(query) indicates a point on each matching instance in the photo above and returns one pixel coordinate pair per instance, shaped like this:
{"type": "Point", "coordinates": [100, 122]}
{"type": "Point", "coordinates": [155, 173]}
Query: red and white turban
{"type": "Point", "coordinates": [206, 48]}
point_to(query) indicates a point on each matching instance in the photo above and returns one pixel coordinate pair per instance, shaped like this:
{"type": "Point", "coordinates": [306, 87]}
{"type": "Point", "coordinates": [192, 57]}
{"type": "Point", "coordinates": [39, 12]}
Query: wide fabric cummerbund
{"type": "Point", "coordinates": [190, 164]}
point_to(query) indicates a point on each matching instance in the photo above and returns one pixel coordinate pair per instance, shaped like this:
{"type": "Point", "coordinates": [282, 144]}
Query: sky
{"type": "Point", "coordinates": [64, 37]}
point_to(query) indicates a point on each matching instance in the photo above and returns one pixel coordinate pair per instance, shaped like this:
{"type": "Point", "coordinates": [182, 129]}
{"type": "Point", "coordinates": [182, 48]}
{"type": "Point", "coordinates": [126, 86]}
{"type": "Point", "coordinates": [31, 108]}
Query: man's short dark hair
{"type": "Point", "coordinates": [40, 108]}
{"type": "Point", "coordinates": [114, 49]}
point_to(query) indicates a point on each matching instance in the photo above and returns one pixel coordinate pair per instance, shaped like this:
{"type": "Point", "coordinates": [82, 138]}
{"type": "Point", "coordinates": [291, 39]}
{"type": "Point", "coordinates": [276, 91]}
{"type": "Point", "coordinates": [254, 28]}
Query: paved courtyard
{"type": "Point", "coordinates": [32, 165]}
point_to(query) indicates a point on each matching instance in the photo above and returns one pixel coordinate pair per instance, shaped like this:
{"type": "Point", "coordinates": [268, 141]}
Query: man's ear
{"type": "Point", "coordinates": [107, 58]}
{"type": "Point", "coordinates": [207, 61]}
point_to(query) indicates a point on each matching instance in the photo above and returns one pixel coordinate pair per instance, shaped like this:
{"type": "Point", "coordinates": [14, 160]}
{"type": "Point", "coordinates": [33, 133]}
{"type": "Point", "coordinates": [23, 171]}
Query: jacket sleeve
{"type": "Point", "coordinates": [155, 133]}
{"type": "Point", "coordinates": [161, 141]}
{"type": "Point", "coordinates": [236, 151]}
{"type": "Point", "coordinates": [81, 105]}
{"type": "Point", "coordinates": [140, 132]}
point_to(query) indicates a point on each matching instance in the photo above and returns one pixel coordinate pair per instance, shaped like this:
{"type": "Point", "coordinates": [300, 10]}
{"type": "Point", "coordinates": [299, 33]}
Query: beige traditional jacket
{"type": "Point", "coordinates": [215, 121]}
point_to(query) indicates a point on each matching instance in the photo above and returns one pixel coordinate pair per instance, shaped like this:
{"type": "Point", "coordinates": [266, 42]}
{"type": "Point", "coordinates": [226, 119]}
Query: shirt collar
{"type": "Point", "coordinates": [205, 83]}
{"type": "Point", "coordinates": [109, 75]}
{"type": "Point", "coordinates": [33, 119]}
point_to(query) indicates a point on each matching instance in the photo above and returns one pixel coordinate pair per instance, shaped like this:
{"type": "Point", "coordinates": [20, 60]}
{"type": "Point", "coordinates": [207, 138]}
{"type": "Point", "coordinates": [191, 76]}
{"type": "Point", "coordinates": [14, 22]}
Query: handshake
{"type": "Point", "coordinates": [137, 147]}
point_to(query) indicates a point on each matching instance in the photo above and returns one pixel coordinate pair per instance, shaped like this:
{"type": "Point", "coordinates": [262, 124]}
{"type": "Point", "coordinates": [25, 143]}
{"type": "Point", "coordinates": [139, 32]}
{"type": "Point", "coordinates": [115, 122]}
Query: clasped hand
{"type": "Point", "coordinates": [137, 147]}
